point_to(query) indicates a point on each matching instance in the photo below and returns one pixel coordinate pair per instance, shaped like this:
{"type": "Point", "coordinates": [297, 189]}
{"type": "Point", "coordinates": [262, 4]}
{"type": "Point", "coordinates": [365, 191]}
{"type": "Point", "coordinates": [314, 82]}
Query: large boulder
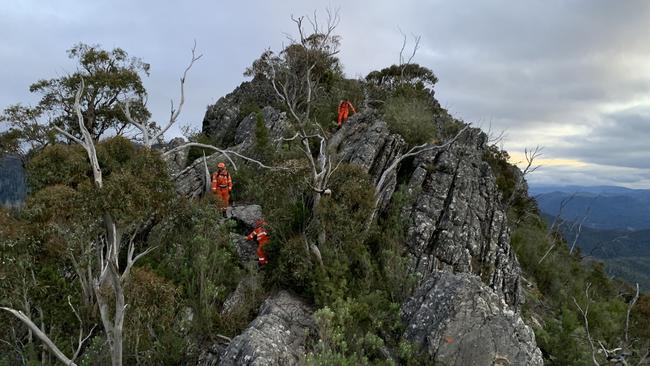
{"type": "Point", "coordinates": [460, 321]}
{"type": "Point", "coordinates": [246, 214]}
{"type": "Point", "coordinates": [276, 337]}
{"type": "Point", "coordinates": [456, 221]}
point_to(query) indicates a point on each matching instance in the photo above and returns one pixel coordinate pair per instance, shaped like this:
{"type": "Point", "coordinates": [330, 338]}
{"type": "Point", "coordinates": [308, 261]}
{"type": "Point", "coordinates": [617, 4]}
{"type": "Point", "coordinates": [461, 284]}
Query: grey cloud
{"type": "Point", "coordinates": [524, 66]}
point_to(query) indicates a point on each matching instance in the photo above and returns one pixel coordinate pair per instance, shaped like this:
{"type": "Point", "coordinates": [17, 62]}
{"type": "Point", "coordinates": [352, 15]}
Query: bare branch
{"type": "Point", "coordinates": [82, 340]}
{"type": "Point", "coordinates": [577, 236]}
{"type": "Point", "coordinates": [41, 335]}
{"type": "Point", "coordinates": [627, 317]}
{"type": "Point", "coordinates": [227, 339]}
{"type": "Point", "coordinates": [584, 313]}
{"type": "Point", "coordinates": [177, 112]}
{"type": "Point", "coordinates": [68, 135]}
{"type": "Point", "coordinates": [225, 152]}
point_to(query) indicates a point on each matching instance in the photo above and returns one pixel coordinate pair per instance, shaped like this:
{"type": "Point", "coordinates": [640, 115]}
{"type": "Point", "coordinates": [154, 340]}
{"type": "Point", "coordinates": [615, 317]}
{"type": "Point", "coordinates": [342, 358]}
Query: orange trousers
{"type": "Point", "coordinates": [343, 115]}
{"type": "Point", "coordinates": [224, 195]}
{"type": "Point", "coordinates": [261, 256]}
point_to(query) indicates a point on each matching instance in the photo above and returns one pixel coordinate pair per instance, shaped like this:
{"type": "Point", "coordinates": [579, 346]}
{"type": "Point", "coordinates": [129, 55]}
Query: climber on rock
{"type": "Point", "coordinates": [222, 186]}
{"type": "Point", "coordinates": [261, 236]}
{"type": "Point", "coordinates": [344, 110]}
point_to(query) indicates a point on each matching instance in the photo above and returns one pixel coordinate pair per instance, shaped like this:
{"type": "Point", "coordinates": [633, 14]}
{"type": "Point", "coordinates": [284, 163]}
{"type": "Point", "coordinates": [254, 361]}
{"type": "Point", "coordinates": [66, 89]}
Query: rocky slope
{"type": "Point", "coordinates": [461, 321]}
{"type": "Point", "coordinates": [456, 221]}
{"type": "Point", "coordinates": [464, 308]}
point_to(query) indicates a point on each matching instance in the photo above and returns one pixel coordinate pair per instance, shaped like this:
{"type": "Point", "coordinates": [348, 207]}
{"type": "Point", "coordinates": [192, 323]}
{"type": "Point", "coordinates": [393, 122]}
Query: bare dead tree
{"type": "Point", "coordinates": [579, 229]}
{"type": "Point", "coordinates": [297, 88]}
{"type": "Point", "coordinates": [151, 133]}
{"type": "Point", "coordinates": [531, 155]}
{"type": "Point", "coordinates": [557, 222]}
{"type": "Point", "coordinates": [108, 281]}
{"type": "Point", "coordinates": [585, 312]}
{"type": "Point", "coordinates": [40, 334]}
{"type": "Point", "coordinates": [416, 47]}
{"type": "Point", "coordinates": [621, 353]}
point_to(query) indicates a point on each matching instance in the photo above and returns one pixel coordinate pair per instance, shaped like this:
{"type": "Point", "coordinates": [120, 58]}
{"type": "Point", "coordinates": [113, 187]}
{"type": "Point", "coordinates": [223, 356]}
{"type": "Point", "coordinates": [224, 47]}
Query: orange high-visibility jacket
{"type": "Point", "coordinates": [221, 180]}
{"type": "Point", "coordinates": [345, 107]}
{"type": "Point", "coordinates": [344, 110]}
{"type": "Point", "coordinates": [260, 235]}
{"type": "Point", "coordinates": [262, 238]}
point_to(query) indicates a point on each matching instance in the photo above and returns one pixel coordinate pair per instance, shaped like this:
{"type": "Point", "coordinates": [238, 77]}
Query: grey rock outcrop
{"type": "Point", "coordinates": [221, 119]}
{"type": "Point", "coordinates": [458, 320]}
{"type": "Point", "coordinates": [245, 249]}
{"type": "Point", "coordinates": [276, 337]}
{"type": "Point", "coordinates": [176, 161]}
{"type": "Point", "coordinates": [191, 181]}
{"type": "Point", "coordinates": [366, 141]}
{"type": "Point", "coordinates": [275, 123]}
{"type": "Point", "coordinates": [212, 355]}
{"type": "Point", "coordinates": [247, 214]}
{"type": "Point", "coordinates": [456, 221]}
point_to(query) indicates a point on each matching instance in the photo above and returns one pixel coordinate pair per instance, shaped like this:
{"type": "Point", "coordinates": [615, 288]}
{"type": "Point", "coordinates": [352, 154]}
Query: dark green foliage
{"type": "Point", "coordinates": [325, 108]}
{"type": "Point", "coordinates": [107, 75]}
{"type": "Point", "coordinates": [150, 334]}
{"type": "Point", "coordinates": [195, 253]}
{"type": "Point", "coordinates": [412, 118]}
{"type": "Point", "coordinates": [397, 77]}
{"type": "Point", "coordinates": [58, 164]}
{"type": "Point", "coordinates": [262, 149]}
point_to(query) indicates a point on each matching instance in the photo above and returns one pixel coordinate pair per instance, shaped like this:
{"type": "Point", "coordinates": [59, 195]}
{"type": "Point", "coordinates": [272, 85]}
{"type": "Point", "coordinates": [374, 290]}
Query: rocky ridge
{"type": "Point", "coordinates": [464, 308]}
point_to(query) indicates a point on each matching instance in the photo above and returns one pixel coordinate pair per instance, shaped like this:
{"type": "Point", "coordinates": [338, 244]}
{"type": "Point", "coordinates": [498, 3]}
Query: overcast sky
{"type": "Point", "coordinates": [572, 76]}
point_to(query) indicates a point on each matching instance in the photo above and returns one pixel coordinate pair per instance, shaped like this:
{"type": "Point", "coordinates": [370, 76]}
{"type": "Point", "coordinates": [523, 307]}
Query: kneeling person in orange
{"type": "Point", "coordinates": [261, 236]}
{"type": "Point", "coordinates": [222, 186]}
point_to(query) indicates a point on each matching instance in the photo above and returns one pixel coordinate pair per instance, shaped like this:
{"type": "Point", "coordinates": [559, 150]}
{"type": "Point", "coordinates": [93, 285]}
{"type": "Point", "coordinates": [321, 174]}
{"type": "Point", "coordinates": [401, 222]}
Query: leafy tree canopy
{"type": "Point", "coordinates": [110, 77]}
{"type": "Point", "coordinates": [395, 76]}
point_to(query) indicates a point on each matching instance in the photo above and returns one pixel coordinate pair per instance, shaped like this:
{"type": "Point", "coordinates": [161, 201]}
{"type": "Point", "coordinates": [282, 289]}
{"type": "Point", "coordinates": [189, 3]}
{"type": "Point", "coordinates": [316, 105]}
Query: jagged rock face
{"type": "Point", "coordinates": [276, 337]}
{"type": "Point", "coordinates": [458, 320]}
{"type": "Point", "coordinates": [456, 220]}
{"type": "Point", "coordinates": [222, 118]}
{"type": "Point", "coordinates": [366, 141]}
{"type": "Point", "coordinates": [275, 122]}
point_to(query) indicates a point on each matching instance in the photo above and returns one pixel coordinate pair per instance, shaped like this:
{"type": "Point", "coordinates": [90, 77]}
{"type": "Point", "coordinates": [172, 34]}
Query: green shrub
{"type": "Point", "coordinates": [410, 117]}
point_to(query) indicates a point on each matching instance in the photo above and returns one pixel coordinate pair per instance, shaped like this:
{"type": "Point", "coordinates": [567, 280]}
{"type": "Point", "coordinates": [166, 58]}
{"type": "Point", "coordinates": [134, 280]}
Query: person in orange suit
{"type": "Point", "coordinates": [344, 109]}
{"type": "Point", "coordinates": [261, 236]}
{"type": "Point", "coordinates": [222, 186]}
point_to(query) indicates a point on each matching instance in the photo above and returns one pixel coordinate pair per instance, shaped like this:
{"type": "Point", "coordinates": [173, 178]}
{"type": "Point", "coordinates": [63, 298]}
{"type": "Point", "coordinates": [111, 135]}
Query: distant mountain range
{"type": "Point", "coordinates": [616, 230]}
{"type": "Point", "coordinates": [607, 207]}
{"type": "Point", "coordinates": [12, 181]}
